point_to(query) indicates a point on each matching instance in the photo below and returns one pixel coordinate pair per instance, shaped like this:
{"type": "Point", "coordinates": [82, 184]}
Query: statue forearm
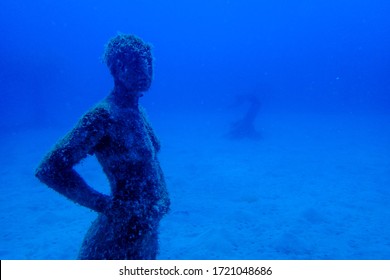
{"type": "Point", "coordinates": [70, 184]}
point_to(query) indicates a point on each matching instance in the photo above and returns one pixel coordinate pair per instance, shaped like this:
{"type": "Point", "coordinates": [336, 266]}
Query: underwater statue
{"type": "Point", "coordinates": [245, 127]}
{"type": "Point", "coordinates": [118, 133]}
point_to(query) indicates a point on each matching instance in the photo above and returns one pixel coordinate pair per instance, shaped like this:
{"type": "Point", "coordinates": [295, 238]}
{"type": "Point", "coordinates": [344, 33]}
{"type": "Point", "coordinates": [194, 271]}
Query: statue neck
{"type": "Point", "coordinates": [124, 97]}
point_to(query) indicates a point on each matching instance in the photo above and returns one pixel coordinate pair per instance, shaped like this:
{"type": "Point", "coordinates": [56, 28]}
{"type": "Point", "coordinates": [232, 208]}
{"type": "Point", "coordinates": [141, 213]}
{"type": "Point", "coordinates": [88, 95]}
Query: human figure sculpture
{"type": "Point", "coordinates": [245, 127]}
{"type": "Point", "coordinates": [118, 133]}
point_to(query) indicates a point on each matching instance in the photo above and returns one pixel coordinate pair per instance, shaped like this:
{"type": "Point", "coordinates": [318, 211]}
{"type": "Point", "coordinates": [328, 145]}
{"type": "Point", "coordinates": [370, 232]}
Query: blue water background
{"type": "Point", "coordinates": [332, 55]}
{"type": "Point", "coordinates": [301, 58]}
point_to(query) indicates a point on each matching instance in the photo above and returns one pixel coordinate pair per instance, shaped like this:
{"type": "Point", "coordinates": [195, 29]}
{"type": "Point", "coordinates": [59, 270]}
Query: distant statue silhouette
{"type": "Point", "coordinates": [245, 127]}
{"type": "Point", "coordinates": [118, 133]}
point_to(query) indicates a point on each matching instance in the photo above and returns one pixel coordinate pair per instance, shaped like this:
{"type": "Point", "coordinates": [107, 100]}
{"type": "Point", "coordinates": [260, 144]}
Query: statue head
{"type": "Point", "coordinates": [130, 60]}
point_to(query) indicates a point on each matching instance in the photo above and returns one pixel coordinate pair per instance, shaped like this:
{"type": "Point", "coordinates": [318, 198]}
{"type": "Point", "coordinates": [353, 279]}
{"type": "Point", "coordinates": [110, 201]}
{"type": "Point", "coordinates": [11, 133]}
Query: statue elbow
{"type": "Point", "coordinates": [41, 173]}
{"type": "Point", "coordinates": [44, 173]}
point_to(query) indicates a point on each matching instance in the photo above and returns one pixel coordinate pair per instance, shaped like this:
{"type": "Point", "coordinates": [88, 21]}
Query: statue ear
{"type": "Point", "coordinates": [114, 67]}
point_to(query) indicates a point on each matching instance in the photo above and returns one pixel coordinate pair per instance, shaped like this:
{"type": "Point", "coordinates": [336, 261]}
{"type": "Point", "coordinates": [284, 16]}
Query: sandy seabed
{"type": "Point", "coordinates": [314, 187]}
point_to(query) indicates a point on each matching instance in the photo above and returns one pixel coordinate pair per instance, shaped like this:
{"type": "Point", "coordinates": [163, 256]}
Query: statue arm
{"type": "Point", "coordinates": [56, 170]}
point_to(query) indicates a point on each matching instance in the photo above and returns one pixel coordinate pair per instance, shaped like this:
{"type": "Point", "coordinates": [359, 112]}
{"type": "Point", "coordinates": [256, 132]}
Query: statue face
{"type": "Point", "coordinates": [135, 72]}
{"type": "Point", "coordinates": [129, 59]}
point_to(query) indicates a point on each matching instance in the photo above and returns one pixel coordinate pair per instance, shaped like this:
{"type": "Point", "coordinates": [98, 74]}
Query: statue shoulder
{"type": "Point", "coordinates": [99, 115]}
